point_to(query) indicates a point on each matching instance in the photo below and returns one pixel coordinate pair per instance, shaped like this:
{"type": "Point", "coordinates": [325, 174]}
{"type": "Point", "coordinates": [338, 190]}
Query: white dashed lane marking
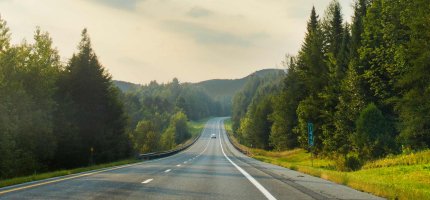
{"type": "Point", "coordinates": [147, 181]}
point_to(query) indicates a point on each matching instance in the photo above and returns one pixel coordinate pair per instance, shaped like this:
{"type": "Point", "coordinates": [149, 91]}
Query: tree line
{"type": "Point", "coordinates": [364, 85]}
{"type": "Point", "coordinates": [56, 115]}
{"type": "Point", "coordinates": [158, 113]}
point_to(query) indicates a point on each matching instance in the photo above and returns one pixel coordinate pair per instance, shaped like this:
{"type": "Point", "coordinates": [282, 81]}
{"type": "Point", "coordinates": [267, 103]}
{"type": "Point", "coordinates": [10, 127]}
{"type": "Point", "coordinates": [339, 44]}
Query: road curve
{"type": "Point", "coordinates": [209, 169]}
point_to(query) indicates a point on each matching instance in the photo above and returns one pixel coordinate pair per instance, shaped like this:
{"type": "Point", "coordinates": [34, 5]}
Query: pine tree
{"type": "Point", "coordinates": [310, 61]}
{"type": "Point", "coordinates": [352, 87]}
{"type": "Point", "coordinates": [284, 116]}
{"type": "Point", "coordinates": [95, 111]}
{"type": "Point", "coordinates": [332, 27]}
{"type": "Point", "coordinates": [313, 73]}
{"type": "Point", "coordinates": [414, 105]}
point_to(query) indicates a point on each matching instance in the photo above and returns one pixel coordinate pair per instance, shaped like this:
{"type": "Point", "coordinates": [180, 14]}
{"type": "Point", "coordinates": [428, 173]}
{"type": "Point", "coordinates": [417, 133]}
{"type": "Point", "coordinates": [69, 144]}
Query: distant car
{"type": "Point", "coordinates": [213, 136]}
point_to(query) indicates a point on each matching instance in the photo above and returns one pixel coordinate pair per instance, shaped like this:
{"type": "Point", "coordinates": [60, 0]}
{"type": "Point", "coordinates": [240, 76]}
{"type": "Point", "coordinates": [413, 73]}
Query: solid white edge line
{"type": "Point", "coordinates": [248, 176]}
{"type": "Point", "coordinates": [147, 181]}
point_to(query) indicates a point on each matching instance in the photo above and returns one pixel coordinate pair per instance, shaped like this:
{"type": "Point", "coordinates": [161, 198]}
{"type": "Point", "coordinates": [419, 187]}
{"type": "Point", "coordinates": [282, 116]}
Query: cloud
{"type": "Point", "coordinates": [203, 35]}
{"type": "Point", "coordinates": [197, 12]}
{"type": "Point", "coordinates": [122, 4]}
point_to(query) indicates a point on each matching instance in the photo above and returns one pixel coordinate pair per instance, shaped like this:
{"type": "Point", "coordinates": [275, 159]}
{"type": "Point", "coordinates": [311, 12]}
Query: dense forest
{"type": "Point", "coordinates": [56, 115]}
{"type": "Point", "coordinates": [158, 113]}
{"type": "Point", "coordinates": [364, 85]}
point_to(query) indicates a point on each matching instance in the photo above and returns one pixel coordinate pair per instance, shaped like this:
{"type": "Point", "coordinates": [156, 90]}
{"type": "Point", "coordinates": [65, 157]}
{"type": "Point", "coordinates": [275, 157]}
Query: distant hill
{"type": "Point", "coordinates": [218, 89]}
{"type": "Point", "coordinates": [126, 86]}
{"type": "Point", "coordinates": [227, 88]}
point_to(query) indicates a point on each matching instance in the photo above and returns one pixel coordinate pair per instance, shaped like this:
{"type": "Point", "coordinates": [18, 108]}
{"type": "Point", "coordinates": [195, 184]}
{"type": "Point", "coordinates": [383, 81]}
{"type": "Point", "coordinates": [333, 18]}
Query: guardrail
{"type": "Point", "coordinates": [236, 146]}
{"type": "Point", "coordinates": [162, 154]}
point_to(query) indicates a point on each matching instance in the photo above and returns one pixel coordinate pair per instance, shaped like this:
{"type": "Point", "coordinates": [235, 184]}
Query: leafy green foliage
{"type": "Point", "coordinates": [373, 136]}
{"type": "Point", "coordinates": [28, 74]}
{"type": "Point", "coordinates": [252, 108]}
{"type": "Point", "coordinates": [52, 116]}
{"type": "Point", "coordinates": [158, 113]}
{"type": "Point", "coordinates": [363, 85]}
{"type": "Point", "coordinates": [414, 105]}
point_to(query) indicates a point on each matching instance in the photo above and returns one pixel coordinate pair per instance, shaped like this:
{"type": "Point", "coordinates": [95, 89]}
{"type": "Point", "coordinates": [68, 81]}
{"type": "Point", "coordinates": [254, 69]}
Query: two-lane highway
{"type": "Point", "coordinates": [210, 169]}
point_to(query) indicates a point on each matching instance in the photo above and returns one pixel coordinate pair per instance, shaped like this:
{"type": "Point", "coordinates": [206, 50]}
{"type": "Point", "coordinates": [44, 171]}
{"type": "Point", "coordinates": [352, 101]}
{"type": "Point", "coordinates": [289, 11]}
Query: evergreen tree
{"type": "Point", "coordinates": [414, 105]}
{"type": "Point", "coordinates": [332, 27]}
{"type": "Point", "coordinates": [284, 116]}
{"type": "Point", "coordinates": [96, 113]}
{"type": "Point", "coordinates": [313, 72]}
{"type": "Point", "coordinates": [352, 87]}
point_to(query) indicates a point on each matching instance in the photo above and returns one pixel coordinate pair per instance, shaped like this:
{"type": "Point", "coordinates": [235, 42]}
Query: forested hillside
{"type": "Point", "coordinates": [158, 113]}
{"type": "Point", "coordinates": [223, 90]}
{"type": "Point", "coordinates": [364, 85]}
{"type": "Point", "coordinates": [126, 86]}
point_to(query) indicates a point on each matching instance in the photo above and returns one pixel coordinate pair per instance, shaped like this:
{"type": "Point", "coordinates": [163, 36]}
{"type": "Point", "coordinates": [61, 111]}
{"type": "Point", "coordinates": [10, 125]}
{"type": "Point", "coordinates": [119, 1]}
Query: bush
{"type": "Point", "coordinates": [350, 162]}
{"type": "Point", "coordinates": [373, 137]}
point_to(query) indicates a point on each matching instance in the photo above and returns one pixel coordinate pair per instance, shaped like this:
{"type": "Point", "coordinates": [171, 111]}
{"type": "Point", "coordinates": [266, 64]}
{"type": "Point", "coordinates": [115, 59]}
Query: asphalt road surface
{"type": "Point", "coordinates": [210, 169]}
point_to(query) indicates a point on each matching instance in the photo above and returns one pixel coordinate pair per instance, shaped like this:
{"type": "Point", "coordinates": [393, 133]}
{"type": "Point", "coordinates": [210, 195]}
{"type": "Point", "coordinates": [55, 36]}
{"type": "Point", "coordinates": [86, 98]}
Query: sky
{"type": "Point", "coordinates": [193, 40]}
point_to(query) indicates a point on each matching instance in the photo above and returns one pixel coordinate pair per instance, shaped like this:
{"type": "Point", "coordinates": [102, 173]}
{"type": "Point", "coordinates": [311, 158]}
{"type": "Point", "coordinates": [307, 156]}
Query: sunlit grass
{"type": "Point", "coordinates": [422, 157]}
{"type": "Point", "coordinates": [395, 177]}
{"type": "Point", "coordinates": [400, 181]}
{"type": "Point", "coordinates": [196, 127]}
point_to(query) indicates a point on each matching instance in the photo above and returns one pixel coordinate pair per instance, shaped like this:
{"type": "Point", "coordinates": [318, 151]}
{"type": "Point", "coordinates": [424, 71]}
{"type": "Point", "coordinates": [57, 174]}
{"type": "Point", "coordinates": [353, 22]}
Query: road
{"type": "Point", "coordinates": [209, 169]}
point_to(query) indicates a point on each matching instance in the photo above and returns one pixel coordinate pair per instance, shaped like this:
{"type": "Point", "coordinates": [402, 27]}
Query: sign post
{"type": "Point", "coordinates": [311, 140]}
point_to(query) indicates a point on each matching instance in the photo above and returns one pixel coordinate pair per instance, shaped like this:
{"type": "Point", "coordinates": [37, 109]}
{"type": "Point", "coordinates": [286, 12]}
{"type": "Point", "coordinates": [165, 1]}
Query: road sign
{"type": "Point", "coordinates": [310, 134]}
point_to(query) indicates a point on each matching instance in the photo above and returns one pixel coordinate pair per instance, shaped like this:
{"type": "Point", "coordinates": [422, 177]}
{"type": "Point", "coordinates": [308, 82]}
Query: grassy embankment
{"type": "Point", "coordinates": [195, 129]}
{"type": "Point", "coordinates": [395, 177]}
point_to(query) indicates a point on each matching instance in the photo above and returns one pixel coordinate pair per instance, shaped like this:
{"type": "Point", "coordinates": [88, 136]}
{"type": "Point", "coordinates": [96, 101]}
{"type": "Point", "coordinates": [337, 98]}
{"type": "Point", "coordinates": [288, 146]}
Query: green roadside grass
{"type": "Point", "coordinates": [41, 176]}
{"type": "Point", "coordinates": [395, 177]}
{"type": "Point", "coordinates": [195, 127]}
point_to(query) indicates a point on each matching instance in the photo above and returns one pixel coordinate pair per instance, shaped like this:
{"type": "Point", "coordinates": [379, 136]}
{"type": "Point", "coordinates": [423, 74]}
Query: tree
{"type": "Point", "coordinates": [96, 113]}
{"type": "Point", "coordinates": [145, 137]}
{"type": "Point", "coordinates": [352, 94]}
{"type": "Point", "coordinates": [332, 28]}
{"type": "Point", "coordinates": [313, 72]}
{"type": "Point", "coordinates": [373, 138]}
{"type": "Point", "coordinates": [242, 100]}
{"type": "Point", "coordinates": [177, 132]}
{"type": "Point", "coordinates": [284, 116]}
{"type": "Point", "coordinates": [28, 75]}
{"type": "Point", "coordinates": [414, 105]}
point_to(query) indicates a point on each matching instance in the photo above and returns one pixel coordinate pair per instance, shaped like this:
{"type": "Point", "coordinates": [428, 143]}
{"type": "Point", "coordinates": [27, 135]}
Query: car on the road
{"type": "Point", "coordinates": [213, 135]}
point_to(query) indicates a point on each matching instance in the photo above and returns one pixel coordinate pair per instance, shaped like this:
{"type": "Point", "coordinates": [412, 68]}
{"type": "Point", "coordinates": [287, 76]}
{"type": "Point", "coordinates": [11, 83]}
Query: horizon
{"type": "Point", "coordinates": [184, 82]}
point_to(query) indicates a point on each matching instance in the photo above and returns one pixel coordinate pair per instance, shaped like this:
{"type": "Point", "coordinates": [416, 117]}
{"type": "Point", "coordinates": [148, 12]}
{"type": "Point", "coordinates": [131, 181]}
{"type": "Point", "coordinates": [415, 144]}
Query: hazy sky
{"type": "Point", "coordinates": [193, 40]}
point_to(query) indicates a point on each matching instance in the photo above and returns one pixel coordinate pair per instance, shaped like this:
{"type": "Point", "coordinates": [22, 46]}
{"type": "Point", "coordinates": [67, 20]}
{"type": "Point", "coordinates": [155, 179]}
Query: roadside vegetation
{"type": "Point", "coordinates": [46, 175]}
{"type": "Point", "coordinates": [364, 86]}
{"type": "Point", "coordinates": [57, 115]}
{"type": "Point", "coordinates": [195, 127]}
{"type": "Point", "coordinates": [404, 176]}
